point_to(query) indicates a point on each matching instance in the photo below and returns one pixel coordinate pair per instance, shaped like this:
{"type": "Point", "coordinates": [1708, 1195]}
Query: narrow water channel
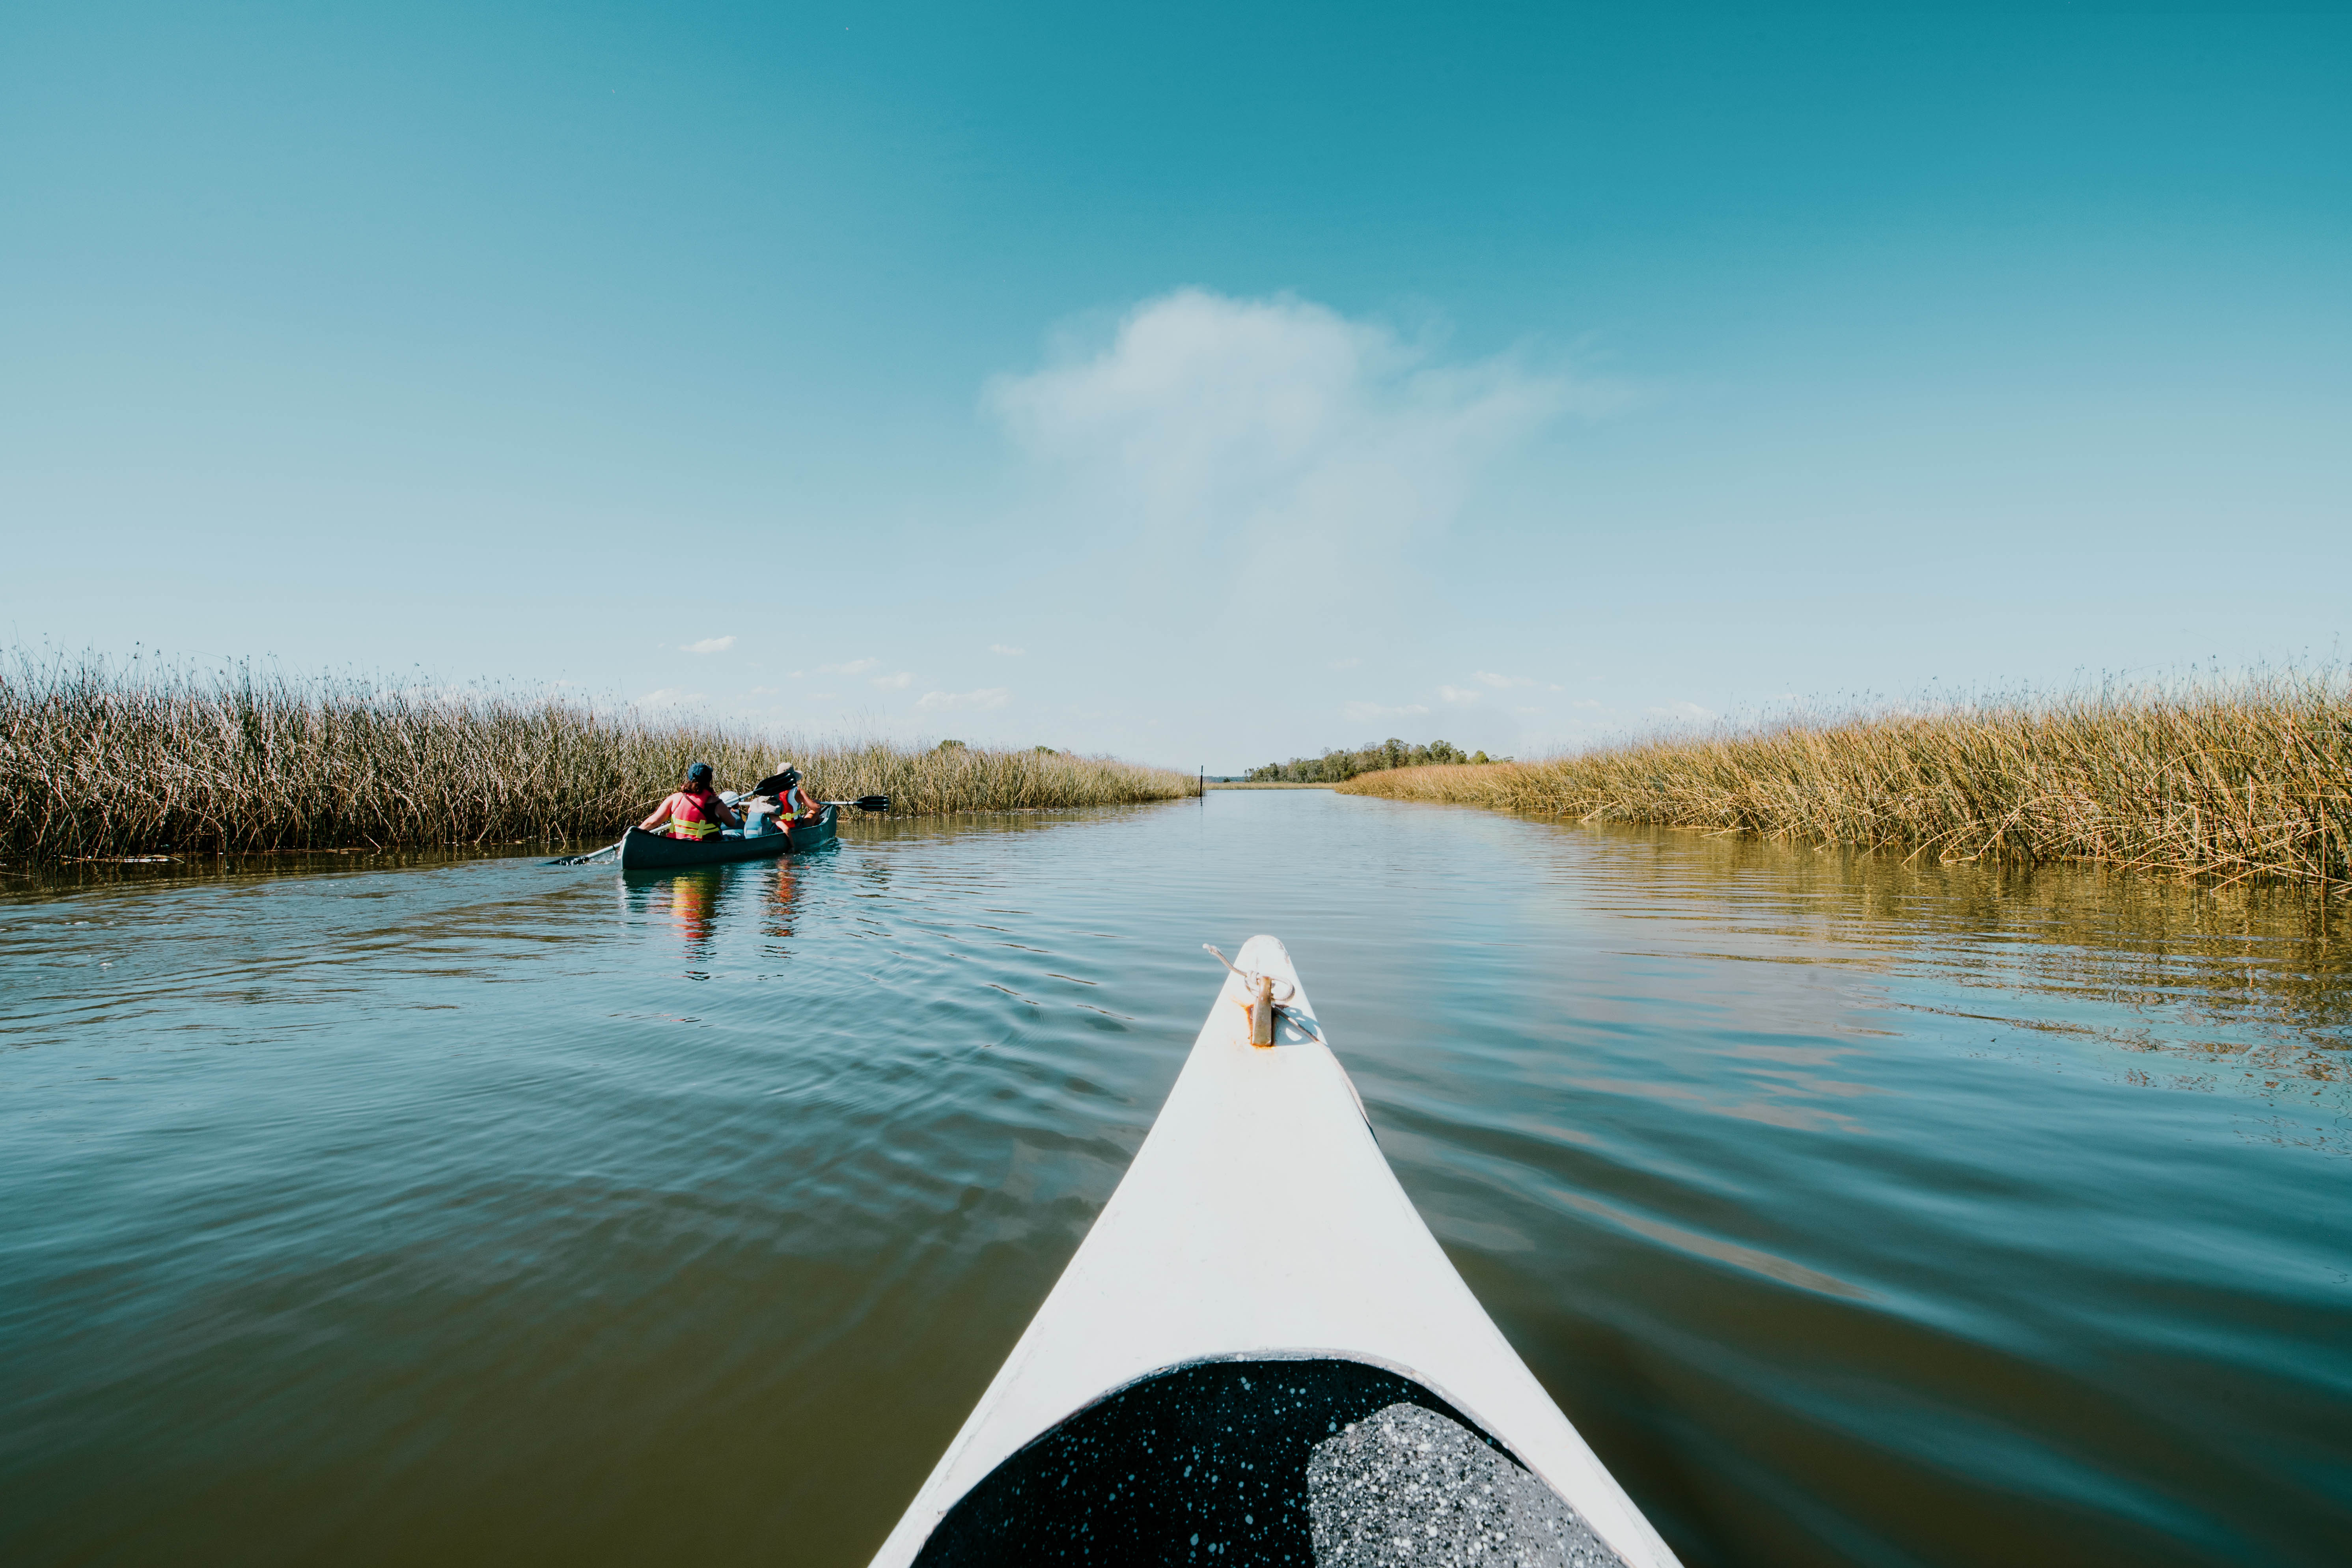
{"type": "Point", "coordinates": [484, 1212]}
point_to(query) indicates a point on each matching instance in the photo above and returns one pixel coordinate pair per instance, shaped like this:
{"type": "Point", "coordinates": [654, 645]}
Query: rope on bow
{"type": "Point", "coordinates": [1282, 988]}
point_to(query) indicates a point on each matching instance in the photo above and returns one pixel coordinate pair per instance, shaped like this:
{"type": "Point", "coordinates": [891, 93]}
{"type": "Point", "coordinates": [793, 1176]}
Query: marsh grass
{"type": "Point", "coordinates": [102, 761]}
{"type": "Point", "coordinates": [2247, 780]}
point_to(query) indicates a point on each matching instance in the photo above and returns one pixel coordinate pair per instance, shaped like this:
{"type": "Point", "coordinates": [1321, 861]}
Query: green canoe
{"type": "Point", "coordinates": [643, 851]}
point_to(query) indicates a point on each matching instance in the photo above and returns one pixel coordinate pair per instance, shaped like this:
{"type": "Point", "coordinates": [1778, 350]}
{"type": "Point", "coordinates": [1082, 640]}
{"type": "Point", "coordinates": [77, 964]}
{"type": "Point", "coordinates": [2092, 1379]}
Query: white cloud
{"type": "Point", "coordinates": [1586, 702]}
{"type": "Point", "coordinates": [855, 667]}
{"type": "Point", "coordinates": [1457, 694]}
{"type": "Point", "coordinates": [1360, 710]}
{"type": "Point", "coordinates": [1688, 712]}
{"type": "Point", "coordinates": [672, 697]}
{"type": "Point", "coordinates": [709, 645]}
{"type": "Point", "coordinates": [1502, 683]}
{"type": "Point", "coordinates": [1317, 444]}
{"type": "Point", "coordinates": [987, 697]}
{"type": "Point", "coordinates": [898, 682]}
{"type": "Point", "coordinates": [1345, 663]}
{"type": "Point", "coordinates": [1008, 652]}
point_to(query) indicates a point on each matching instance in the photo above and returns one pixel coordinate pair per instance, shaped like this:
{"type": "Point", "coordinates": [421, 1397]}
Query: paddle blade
{"type": "Point", "coordinates": [592, 855]}
{"type": "Point", "coordinates": [863, 802]}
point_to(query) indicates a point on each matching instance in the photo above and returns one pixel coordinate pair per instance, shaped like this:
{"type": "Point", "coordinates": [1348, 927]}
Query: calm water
{"type": "Point", "coordinates": [489, 1212]}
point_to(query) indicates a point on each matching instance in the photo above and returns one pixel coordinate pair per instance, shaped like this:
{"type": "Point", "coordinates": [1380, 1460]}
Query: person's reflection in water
{"type": "Point", "coordinates": [693, 910]}
{"type": "Point", "coordinates": [779, 906]}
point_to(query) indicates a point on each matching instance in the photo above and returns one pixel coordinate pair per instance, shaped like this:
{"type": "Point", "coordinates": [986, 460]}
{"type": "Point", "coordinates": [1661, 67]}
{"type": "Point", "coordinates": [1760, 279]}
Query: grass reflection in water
{"type": "Point", "coordinates": [2246, 989]}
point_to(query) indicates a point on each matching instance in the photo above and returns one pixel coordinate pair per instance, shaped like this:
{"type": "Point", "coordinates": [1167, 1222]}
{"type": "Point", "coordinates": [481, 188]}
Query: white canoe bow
{"type": "Point", "coordinates": [1258, 1279]}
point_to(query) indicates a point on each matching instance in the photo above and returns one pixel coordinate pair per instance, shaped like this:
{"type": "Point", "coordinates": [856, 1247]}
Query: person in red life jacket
{"type": "Point", "coordinates": [793, 802]}
{"type": "Point", "coordinates": [694, 812]}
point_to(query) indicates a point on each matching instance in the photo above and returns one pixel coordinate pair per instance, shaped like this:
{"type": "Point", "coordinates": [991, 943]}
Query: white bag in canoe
{"type": "Point", "coordinates": [1260, 1354]}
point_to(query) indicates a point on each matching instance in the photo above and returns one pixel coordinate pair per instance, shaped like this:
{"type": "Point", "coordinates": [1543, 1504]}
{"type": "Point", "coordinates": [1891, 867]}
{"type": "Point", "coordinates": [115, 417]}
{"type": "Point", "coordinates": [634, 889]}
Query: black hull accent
{"type": "Point", "coordinates": [1203, 1463]}
{"type": "Point", "coordinates": [643, 851]}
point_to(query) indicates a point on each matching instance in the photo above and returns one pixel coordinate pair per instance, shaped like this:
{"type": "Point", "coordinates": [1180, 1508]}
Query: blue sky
{"type": "Point", "coordinates": [1201, 385]}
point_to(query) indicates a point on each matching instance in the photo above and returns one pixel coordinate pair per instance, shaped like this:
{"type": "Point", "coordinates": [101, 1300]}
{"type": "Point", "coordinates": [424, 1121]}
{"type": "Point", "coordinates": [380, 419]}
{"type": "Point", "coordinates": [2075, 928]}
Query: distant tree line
{"type": "Point", "coordinates": [1339, 767]}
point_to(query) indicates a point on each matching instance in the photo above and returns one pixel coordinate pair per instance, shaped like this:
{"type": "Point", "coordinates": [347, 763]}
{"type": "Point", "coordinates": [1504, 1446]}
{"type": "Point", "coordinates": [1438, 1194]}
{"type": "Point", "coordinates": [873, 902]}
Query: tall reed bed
{"type": "Point", "coordinates": [99, 760]}
{"type": "Point", "coordinates": [2244, 780]}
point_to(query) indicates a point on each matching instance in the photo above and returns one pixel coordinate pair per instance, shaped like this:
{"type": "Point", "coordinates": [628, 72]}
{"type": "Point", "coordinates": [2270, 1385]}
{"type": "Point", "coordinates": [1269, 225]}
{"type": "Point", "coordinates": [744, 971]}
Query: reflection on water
{"type": "Point", "coordinates": [693, 900]}
{"type": "Point", "coordinates": [2246, 991]}
{"type": "Point", "coordinates": [460, 1210]}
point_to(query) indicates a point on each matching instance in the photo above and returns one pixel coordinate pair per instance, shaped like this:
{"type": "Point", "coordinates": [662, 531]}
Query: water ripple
{"type": "Point", "coordinates": [1858, 1212]}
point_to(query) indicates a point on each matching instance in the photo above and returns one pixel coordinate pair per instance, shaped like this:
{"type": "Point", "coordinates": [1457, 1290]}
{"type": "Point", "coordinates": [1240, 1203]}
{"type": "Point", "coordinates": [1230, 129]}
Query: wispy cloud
{"type": "Point", "coordinates": [1363, 710]}
{"type": "Point", "coordinates": [1008, 652]}
{"type": "Point", "coordinates": [709, 645]}
{"type": "Point", "coordinates": [1344, 663]}
{"type": "Point", "coordinates": [1457, 694]}
{"type": "Point", "coordinates": [986, 697]}
{"type": "Point", "coordinates": [1688, 712]}
{"type": "Point", "coordinates": [1500, 682]}
{"type": "Point", "coordinates": [898, 682]}
{"type": "Point", "coordinates": [855, 667]}
{"type": "Point", "coordinates": [1324, 443]}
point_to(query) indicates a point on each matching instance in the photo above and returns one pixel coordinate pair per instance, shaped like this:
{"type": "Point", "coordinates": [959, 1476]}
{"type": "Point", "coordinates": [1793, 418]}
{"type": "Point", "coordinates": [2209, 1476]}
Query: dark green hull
{"type": "Point", "coordinates": [643, 851]}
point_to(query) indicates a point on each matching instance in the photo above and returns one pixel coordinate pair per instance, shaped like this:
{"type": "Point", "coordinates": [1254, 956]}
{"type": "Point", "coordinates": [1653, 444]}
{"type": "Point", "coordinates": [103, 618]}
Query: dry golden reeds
{"type": "Point", "coordinates": [2247, 779]}
{"type": "Point", "coordinates": [97, 760]}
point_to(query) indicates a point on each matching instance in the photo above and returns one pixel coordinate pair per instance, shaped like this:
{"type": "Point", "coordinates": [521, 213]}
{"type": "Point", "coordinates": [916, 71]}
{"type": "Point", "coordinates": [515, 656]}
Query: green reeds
{"type": "Point", "coordinates": [99, 761]}
{"type": "Point", "coordinates": [2247, 779]}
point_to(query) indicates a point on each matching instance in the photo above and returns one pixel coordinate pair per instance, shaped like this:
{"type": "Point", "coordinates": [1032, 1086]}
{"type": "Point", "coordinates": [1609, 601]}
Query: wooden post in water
{"type": "Point", "coordinates": [1262, 1013]}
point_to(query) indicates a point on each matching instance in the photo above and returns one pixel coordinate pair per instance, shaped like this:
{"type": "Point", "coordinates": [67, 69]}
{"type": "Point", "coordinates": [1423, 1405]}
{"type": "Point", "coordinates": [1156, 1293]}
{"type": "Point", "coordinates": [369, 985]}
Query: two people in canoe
{"type": "Point", "coordinates": [697, 812]}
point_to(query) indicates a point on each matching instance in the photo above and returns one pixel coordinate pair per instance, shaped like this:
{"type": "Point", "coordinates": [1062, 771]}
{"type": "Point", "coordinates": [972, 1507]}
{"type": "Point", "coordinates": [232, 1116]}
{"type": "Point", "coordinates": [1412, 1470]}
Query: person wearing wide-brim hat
{"type": "Point", "coordinates": [784, 787]}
